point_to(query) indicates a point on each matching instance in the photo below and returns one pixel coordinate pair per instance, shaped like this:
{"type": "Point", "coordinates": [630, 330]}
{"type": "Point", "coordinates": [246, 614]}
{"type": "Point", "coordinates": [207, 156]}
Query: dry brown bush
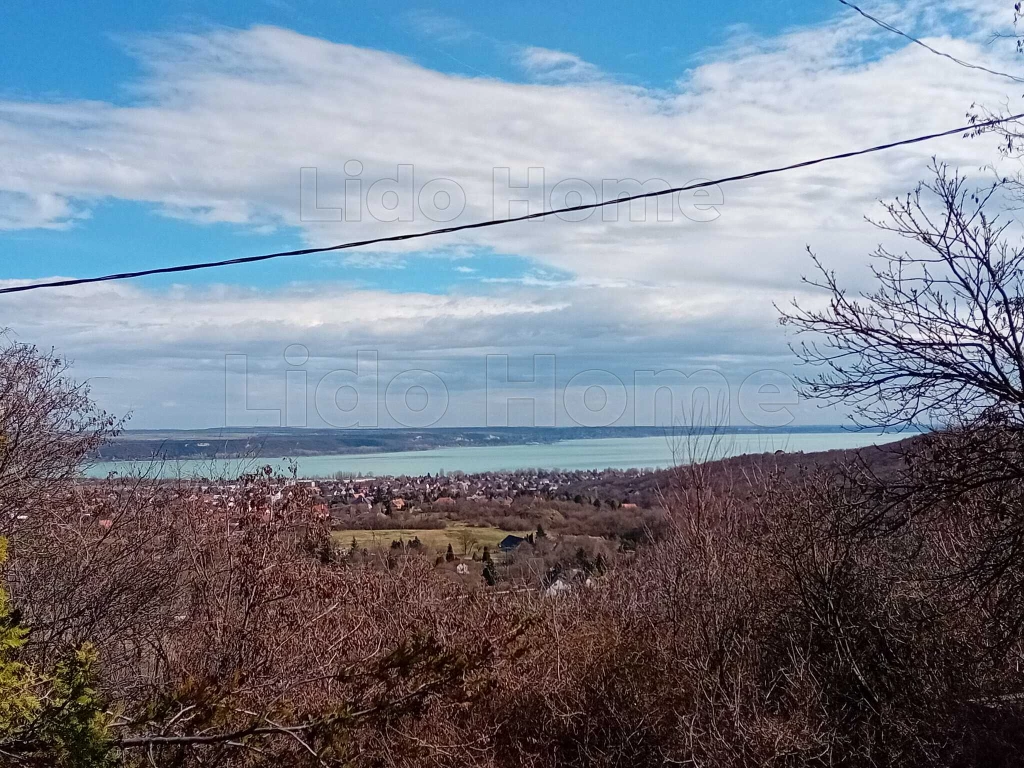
{"type": "Point", "coordinates": [772, 634]}
{"type": "Point", "coordinates": [823, 619]}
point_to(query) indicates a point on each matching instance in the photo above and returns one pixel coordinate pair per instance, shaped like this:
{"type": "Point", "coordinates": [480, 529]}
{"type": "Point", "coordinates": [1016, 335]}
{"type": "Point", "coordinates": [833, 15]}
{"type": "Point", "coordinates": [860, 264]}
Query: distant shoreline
{"type": "Point", "coordinates": [297, 443]}
{"type": "Point", "coordinates": [606, 452]}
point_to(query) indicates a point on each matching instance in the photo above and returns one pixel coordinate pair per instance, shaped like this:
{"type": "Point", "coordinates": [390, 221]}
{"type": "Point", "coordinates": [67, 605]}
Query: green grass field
{"type": "Point", "coordinates": [435, 539]}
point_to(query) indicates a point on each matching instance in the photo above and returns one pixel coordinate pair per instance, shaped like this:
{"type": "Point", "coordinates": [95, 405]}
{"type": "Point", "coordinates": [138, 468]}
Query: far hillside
{"type": "Point", "coordinates": [144, 445]}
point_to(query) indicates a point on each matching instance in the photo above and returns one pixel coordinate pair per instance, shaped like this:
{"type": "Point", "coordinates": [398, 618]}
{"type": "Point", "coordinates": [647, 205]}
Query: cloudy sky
{"type": "Point", "coordinates": [132, 138]}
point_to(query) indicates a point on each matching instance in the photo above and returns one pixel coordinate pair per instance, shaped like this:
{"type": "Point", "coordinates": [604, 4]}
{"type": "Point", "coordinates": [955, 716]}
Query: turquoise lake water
{"type": "Point", "coordinates": [606, 453]}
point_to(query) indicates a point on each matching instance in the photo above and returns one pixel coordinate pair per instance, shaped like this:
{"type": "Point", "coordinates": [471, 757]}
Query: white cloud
{"type": "Point", "coordinates": [145, 348]}
{"type": "Point", "coordinates": [38, 210]}
{"type": "Point", "coordinates": [223, 122]}
{"type": "Point", "coordinates": [557, 66]}
{"type": "Point", "coordinates": [229, 118]}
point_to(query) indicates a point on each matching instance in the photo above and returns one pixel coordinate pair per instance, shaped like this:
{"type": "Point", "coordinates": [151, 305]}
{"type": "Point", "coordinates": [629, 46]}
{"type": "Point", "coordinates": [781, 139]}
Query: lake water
{"type": "Point", "coordinates": [606, 453]}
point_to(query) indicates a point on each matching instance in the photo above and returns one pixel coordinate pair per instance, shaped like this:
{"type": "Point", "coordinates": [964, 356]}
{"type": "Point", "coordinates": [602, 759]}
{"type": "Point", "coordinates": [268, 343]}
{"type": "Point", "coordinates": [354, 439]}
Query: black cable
{"type": "Point", "coordinates": [889, 27]}
{"type": "Point", "coordinates": [497, 222]}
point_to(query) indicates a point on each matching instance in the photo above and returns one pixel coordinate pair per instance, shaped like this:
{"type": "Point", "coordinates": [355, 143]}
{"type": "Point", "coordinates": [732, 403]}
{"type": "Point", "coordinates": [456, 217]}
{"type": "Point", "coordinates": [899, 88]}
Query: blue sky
{"type": "Point", "coordinates": [84, 52]}
{"type": "Point", "coordinates": [79, 52]}
{"type": "Point", "coordinates": [137, 136]}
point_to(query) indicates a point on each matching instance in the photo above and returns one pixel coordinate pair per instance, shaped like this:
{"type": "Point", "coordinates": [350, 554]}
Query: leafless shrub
{"type": "Point", "coordinates": [48, 428]}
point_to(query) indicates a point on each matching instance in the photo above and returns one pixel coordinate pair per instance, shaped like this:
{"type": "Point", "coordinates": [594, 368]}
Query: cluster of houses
{"type": "Point", "coordinates": [335, 498]}
{"type": "Point", "coordinates": [388, 495]}
{"type": "Point", "coordinates": [398, 494]}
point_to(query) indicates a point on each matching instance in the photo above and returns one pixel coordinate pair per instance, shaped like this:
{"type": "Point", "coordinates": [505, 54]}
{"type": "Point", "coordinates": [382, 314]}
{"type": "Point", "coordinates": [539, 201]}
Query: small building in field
{"type": "Point", "coordinates": [510, 543]}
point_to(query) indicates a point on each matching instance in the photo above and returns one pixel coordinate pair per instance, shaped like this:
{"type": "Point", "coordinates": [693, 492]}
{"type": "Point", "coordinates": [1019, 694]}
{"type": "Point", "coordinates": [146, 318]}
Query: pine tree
{"type": "Point", "coordinates": [18, 702]}
{"type": "Point", "coordinates": [449, 556]}
{"type": "Point", "coordinates": [490, 572]}
{"type": "Point", "coordinates": [49, 719]}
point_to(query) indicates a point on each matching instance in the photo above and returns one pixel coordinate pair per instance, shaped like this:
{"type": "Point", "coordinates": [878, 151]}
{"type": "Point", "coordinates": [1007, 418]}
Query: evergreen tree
{"type": "Point", "coordinates": [53, 719]}
{"type": "Point", "coordinates": [18, 702]}
{"type": "Point", "coordinates": [325, 552]}
{"type": "Point", "coordinates": [490, 572]}
{"type": "Point", "coordinates": [449, 556]}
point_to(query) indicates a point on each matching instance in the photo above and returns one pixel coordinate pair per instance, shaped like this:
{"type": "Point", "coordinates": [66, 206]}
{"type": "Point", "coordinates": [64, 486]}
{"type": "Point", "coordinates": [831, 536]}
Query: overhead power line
{"type": "Point", "coordinates": [890, 28]}
{"type": "Point", "coordinates": [498, 222]}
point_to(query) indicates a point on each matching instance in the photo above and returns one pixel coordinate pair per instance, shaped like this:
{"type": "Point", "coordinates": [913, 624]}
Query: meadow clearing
{"type": "Point", "coordinates": [466, 540]}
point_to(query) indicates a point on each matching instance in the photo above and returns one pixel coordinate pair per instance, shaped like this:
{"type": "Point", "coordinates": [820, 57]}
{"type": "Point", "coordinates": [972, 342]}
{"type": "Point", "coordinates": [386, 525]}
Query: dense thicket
{"type": "Point", "coordinates": [823, 617]}
{"type": "Point", "coordinates": [861, 613]}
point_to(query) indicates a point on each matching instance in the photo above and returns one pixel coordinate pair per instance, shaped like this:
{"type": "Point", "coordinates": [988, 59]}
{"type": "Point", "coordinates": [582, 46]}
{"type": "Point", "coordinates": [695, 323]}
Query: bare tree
{"type": "Point", "coordinates": [48, 427]}
{"type": "Point", "coordinates": [467, 539]}
{"type": "Point", "coordinates": [941, 337]}
{"type": "Point", "coordinates": [940, 340]}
